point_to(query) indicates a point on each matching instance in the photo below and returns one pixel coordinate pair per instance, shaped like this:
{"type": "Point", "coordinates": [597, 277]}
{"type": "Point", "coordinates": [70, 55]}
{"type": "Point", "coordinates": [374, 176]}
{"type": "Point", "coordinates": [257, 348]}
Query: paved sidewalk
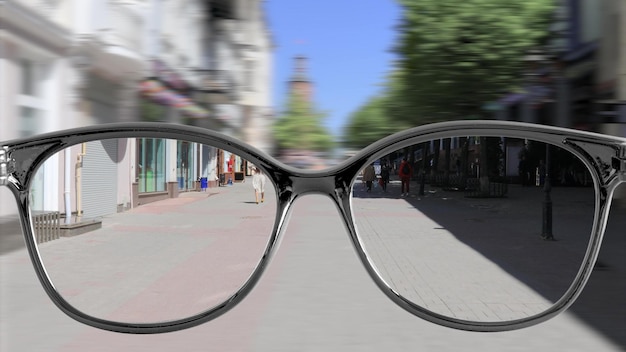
{"type": "Point", "coordinates": [315, 296]}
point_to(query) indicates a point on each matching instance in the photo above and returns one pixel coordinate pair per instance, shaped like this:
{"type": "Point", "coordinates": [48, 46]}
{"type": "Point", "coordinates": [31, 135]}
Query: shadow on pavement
{"type": "Point", "coordinates": [601, 303]}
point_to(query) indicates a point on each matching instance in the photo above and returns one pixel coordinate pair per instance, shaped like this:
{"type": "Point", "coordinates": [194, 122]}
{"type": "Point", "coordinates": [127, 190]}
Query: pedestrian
{"type": "Point", "coordinates": [522, 169]}
{"type": "Point", "coordinates": [258, 182]}
{"type": "Point", "coordinates": [384, 176]}
{"type": "Point", "coordinates": [405, 172]}
{"type": "Point", "coordinates": [369, 175]}
{"type": "Point", "coordinates": [541, 173]}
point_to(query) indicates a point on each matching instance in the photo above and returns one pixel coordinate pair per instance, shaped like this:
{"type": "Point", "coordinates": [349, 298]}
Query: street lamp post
{"type": "Point", "coordinates": [535, 58]}
{"type": "Point", "coordinates": [425, 162]}
{"type": "Point", "coordinates": [546, 232]}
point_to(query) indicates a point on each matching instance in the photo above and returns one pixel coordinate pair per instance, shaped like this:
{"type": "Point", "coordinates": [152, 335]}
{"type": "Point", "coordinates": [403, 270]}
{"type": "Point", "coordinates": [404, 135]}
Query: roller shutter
{"type": "Point", "coordinates": [99, 181]}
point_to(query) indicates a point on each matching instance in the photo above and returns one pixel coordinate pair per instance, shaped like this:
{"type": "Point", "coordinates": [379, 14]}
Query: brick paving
{"type": "Point", "coordinates": [476, 259]}
{"type": "Point", "coordinates": [314, 296]}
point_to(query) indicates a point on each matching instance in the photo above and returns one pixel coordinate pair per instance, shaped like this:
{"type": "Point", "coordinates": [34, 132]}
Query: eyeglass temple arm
{"type": "Point", "coordinates": [4, 166]}
{"type": "Point", "coordinates": [18, 162]}
{"type": "Point", "coordinates": [621, 163]}
{"type": "Point", "coordinates": [608, 159]}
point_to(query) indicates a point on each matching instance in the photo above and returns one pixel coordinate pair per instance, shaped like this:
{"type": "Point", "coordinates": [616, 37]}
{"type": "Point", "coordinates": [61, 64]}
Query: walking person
{"type": "Point", "coordinates": [369, 175]}
{"type": "Point", "coordinates": [405, 172]}
{"type": "Point", "coordinates": [524, 174]}
{"type": "Point", "coordinates": [541, 173]}
{"type": "Point", "coordinates": [384, 176]}
{"type": "Point", "coordinates": [258, 182]}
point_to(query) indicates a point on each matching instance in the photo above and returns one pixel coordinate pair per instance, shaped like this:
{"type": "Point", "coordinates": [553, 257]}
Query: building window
{"type": "Point", "coordinates": [249, 75]}
{"type": "Point", "coordinates": [30, 102]}
{"type": "Point", "coordinates": [29, 123]}
{"type": "Point", "coordinates": [28, 78]}
{"type": "Point", "coordinates": [151, 165]}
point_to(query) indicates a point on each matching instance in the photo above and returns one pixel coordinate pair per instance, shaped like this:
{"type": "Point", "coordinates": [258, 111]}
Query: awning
{"type": "Point", "coordinates": [157, 92]}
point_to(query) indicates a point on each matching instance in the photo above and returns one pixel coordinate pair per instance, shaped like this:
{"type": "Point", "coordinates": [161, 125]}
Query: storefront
{"type": "Point", "coordinates": [164, 168]}
{"type": "Point", "coordinates": [166, 97]}
{"type": "Point", "coordinates": [232, 168]}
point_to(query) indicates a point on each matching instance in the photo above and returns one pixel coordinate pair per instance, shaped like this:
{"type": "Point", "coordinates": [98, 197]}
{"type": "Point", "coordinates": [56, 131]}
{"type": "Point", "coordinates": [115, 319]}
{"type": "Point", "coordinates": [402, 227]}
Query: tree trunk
{"type": "Point", "coordinates": [484, 167]}
{"type": "Point", "coordinates": [446, 167]}
{"type": "Point", "coordinates": [464, 162]}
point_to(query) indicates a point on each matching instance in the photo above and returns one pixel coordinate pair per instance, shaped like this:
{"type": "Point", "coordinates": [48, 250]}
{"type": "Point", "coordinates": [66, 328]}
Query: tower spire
{"type": "Point", "coordinates": [300, 72]}
{"type": "Point", "coordinates": [300, 83]}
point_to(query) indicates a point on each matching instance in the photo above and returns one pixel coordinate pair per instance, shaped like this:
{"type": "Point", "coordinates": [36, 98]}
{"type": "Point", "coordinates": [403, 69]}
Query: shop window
{"type": "Point", "coordinates": [185, 166]}
{"type": "Point", "coordinates": [151, 165]}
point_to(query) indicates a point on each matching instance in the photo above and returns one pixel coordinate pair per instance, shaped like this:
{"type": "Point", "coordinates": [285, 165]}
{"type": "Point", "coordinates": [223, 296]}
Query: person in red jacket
{"type": "Point", "coordinates": [405, 171]}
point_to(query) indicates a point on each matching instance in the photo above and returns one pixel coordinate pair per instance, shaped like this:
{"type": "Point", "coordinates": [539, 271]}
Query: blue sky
{"type": "Point", "coordinates": [347, 43]}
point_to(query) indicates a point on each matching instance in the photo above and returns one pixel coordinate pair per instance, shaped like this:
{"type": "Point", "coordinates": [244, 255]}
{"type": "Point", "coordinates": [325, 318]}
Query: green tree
{"type": "Point", "coordinates": [369, 124]}
{"type": "Point", "coordinates": [301, 127]}
{"type": "Point", "coordinates": [455, 56]}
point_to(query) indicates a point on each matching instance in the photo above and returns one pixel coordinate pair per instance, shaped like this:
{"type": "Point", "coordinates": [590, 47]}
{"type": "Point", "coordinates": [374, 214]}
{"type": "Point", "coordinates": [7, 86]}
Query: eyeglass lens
{"type": "Point", "coordinates": [476, 228]}
{"type": "Point", "coordinates": [145, 230]}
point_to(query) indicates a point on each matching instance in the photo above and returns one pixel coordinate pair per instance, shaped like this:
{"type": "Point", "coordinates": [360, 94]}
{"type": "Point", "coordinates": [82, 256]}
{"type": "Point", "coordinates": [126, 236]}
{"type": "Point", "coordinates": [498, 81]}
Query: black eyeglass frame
{"type": "Point", "coordinates": [603, 155]}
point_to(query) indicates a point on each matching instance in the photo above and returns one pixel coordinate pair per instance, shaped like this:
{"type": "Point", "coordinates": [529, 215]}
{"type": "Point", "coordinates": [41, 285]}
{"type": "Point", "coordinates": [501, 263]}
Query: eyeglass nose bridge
{"type": "Point", "coordinates": [333, 185]}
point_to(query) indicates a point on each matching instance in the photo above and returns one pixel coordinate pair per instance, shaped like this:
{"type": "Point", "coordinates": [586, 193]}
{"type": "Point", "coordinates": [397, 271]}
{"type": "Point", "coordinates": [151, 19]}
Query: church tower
{"type": "Point", "coordinates": [300, 83]}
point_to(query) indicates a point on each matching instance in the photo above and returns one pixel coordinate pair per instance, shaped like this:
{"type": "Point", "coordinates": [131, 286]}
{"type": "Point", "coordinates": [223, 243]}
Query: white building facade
{"type": "Point", "coordinates": [71, 63]}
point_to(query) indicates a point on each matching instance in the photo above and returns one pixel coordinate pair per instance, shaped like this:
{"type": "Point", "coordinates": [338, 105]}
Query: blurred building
{"type": "Point", "coordinates": [71, 63]}
{"type": "Point", "coordinates": [577, 79]}
{"type": "Point", "coordinates": [610, 82]}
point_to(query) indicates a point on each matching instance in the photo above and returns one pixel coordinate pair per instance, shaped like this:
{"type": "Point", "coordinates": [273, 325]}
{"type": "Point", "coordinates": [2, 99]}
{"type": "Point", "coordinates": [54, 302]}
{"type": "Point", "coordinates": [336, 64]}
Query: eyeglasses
{"type": "Point", "coordinates": [150, 228]}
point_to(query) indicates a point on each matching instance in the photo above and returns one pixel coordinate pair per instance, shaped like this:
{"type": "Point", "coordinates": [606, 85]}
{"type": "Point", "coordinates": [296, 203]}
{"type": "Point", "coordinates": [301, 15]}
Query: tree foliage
{"type": "Point", "coordinates": [455, 56]}
{"type": "Point", "coordinates": [370, 123]}
{"type": "Point", "coordinates": [301, 127]}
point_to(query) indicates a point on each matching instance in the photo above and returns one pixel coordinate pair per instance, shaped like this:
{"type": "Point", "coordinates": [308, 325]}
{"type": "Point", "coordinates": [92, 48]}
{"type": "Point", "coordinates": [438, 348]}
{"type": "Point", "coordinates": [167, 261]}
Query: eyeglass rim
{"type": "Point", "coordinates": [566, 139]}
{"type": "Point", "coordinates": [57, 141]}
{"type": "Point", "coordinates": [148, 129]}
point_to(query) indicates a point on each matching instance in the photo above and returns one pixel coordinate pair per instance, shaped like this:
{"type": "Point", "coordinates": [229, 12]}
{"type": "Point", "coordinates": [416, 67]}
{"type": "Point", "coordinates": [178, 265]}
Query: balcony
{"type": "Point", "coordinates": [231, 30]}
{"type": "Point", "coordinates": [216, 87]}
{"type": "Point", "coordinates": [35, 20]}
{"type": "Point", "coordinates": [110, 34]}
{"type": "Point", "coordinates": [123, 27]}
{"type": "Point", "coordinates": [41, 7]}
